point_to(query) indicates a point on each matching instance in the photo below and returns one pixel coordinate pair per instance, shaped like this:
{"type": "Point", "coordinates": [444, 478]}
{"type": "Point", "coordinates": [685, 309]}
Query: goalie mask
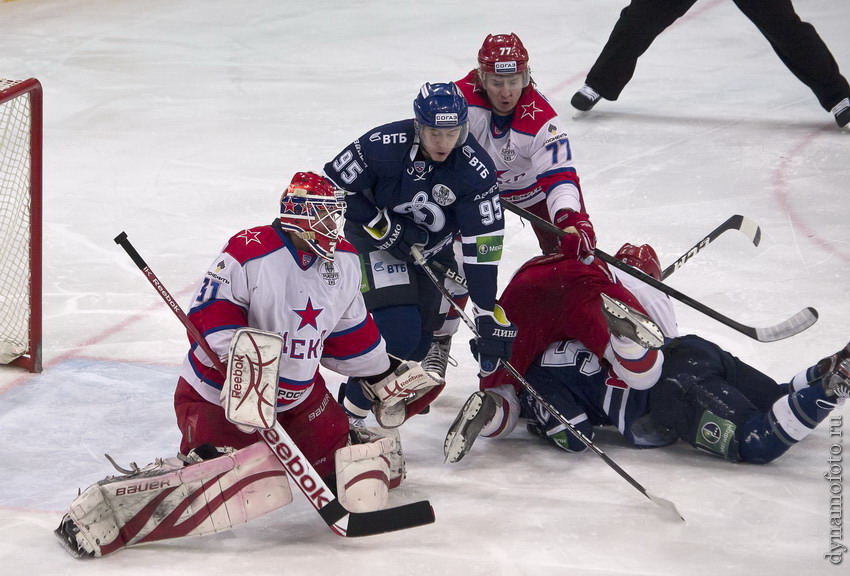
{"type": "Point", "coordinates": [312, 207]}
{"type": "Point", "coordinates": [503, 54]}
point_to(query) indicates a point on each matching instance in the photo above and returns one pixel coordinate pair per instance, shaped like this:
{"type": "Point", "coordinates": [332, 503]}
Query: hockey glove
{"type": "Point", "coordinates": [580, 240]}
{"type": "Point", "coordinates": [495, 339]}
{"type": "Point", "coordinates": [396, 235]}
{"type": "Point", "coordinates": [402, 392]}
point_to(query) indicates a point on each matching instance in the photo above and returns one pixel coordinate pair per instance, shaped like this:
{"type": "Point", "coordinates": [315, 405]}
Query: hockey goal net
{"type": "Point", "coordinates": [20, 223]}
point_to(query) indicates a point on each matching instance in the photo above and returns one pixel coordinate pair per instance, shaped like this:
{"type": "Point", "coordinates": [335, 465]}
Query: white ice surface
{"type": "Point", "coordinates": [179, 122]}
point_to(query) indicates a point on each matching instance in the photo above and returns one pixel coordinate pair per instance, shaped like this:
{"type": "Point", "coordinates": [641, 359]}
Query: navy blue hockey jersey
{"type": "Point", "coordinates": [385, 169]}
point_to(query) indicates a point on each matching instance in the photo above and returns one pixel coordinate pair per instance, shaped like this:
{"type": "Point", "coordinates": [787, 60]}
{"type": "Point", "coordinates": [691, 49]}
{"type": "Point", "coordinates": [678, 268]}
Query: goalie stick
{"type": "Point", "coordinates": [302, 473]}
{"type": "Point", "coordinates": [663, 503]}
{"type": "Point", "coordinates": [736, 222]}
{"type": "Point", "coordinates": [799, 322]}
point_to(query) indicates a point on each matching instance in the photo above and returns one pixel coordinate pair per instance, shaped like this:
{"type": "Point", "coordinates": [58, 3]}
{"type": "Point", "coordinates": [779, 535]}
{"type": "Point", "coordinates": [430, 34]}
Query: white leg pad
{"type": "Point", "coordinates": [167, 500]}
{"type": "Point", "coordinates": [363, 473]}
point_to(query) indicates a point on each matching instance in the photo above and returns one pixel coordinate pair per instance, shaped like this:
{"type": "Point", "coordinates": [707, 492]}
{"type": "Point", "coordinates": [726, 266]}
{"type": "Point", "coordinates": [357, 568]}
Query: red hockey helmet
{"type": "Point", "coordinates": [642, 257]}
{"type": "Point", "coordinates": [312, 207]}
{"type": "Point", "coordinates": [502, 54]}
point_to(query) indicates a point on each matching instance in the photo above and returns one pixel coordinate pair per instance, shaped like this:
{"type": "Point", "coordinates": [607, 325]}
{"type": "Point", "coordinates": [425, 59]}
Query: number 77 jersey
{"type": "Point", "coordinates": [531, 150]}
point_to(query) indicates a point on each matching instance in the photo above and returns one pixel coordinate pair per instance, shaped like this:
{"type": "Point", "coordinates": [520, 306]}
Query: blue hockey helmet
{"type": "Point", "coordinates": [441, 105]}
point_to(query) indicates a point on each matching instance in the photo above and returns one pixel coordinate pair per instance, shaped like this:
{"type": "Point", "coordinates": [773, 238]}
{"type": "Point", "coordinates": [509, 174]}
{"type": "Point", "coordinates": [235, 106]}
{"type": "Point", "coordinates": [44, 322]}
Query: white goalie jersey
{"type": "Point", "coordinates": [260, 280]}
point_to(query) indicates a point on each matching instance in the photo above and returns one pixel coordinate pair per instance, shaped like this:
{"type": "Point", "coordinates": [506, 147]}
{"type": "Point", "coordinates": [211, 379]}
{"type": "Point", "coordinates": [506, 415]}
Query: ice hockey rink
{"type": "Point", "coordinates": [179, 122]}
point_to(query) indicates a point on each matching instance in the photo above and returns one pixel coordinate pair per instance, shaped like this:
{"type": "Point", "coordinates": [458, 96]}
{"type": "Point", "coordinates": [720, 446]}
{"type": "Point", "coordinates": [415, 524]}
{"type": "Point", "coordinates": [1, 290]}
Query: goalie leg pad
{"type": "Point", "coordinates": [366, 472]}
{"type": "Point", "coordinates": [166, 500]}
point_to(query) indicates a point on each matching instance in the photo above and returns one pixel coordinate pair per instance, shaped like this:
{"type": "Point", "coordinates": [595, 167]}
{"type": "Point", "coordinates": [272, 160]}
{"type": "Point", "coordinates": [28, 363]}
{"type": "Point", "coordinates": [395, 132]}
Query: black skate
{"type": "Point", "coordinates": [67, 534]}
{"type": "Point", "coordinates": [585, 99]}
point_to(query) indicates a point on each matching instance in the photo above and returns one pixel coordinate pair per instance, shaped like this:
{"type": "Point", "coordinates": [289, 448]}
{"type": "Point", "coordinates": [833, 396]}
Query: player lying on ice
{"type": "Point", "coordinates": [298, 280]}
{"type": "Point", "coordinates": [695, 391]}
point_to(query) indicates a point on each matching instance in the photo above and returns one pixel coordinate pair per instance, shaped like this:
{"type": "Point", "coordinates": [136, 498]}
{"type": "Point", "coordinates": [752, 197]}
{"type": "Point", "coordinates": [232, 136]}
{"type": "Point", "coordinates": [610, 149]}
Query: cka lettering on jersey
{"type": "Point", "coordinates": [302, 348]}
{"type": "Point", "coordinates": [313, 488]}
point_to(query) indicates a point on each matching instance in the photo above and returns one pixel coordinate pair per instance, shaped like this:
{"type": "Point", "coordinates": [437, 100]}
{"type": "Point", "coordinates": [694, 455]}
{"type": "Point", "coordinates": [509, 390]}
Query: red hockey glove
{"type": "Point", "coordinates": [580, 241]}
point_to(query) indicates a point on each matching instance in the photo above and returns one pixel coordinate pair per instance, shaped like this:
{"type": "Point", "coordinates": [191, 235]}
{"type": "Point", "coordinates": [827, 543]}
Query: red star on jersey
{"type": "Point", "coordinates": [530, 110]}
{"type": "Point", "coordinates": [250, 236]}
{"type": "Point", "coordinates": [308, 315]}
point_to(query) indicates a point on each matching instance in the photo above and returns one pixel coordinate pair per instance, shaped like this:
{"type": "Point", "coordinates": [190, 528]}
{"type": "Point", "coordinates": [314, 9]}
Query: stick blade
{"type": "Point", "coordinates": [802, 320]}
{"type": "Point", "coordinates": [751, 229]}
{"type": "Point", "coordinates": [390, 519]}
{"type": "Point", "coordinates": [665, 505]}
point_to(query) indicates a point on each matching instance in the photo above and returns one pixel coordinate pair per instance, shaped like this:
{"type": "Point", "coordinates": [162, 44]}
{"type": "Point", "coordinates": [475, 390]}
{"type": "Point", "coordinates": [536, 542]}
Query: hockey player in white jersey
{"type": "Point", "coordinates": [299, 280]}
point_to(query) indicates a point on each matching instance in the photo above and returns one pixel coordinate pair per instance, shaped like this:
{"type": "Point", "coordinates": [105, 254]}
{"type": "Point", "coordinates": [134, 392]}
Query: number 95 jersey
{"type": "Point", "coordinates": [385, 169]}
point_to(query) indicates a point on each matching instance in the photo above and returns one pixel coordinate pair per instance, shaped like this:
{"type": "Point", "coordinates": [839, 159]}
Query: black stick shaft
{"type": "Point", "coordinates": [794, 325]}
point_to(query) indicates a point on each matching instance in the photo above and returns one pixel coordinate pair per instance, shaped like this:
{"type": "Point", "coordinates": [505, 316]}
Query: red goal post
{"type": "Point", "coordinates": [20, 223]}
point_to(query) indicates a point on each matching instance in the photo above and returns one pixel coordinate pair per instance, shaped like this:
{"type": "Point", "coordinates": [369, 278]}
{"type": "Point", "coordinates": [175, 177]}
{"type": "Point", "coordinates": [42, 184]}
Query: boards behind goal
{"type": "Point", "coordinates": [20, 222]}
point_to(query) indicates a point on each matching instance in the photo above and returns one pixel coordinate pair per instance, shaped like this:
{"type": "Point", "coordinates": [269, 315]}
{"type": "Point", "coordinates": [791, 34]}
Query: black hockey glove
{"type": "Point", "coordinates": [396, 235]}
{"type": "Point", "coordinates": [495, 340]}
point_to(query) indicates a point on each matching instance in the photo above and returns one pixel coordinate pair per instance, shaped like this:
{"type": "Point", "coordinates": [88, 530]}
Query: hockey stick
{"type": "Point", "coordinates": [662, 502]}
{"type": "Point", "coordinates": [736, 222]}
{"type": "Point", "coordinates": [302, 473]}
{"type": "Point", "coordinates": [802, 320]}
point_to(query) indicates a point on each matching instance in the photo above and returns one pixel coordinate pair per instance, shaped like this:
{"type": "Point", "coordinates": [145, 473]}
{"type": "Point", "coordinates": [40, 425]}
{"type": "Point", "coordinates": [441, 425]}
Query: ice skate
{"type": "Point", "coordinates": [585, 99]}
{"type": "Point", "coordinates": [828, 365]}
{"type": "Point", "coordinates": [67, 534]}
{"type": "Point", "coordinates": [476, 412]}
{"type": "Point", "coordinates": [841, 111]}
{"type": "Point", "coordinates": [437, 360]}
{"type": "Point", "coordinates": [626, 322]}
{"type": "Point", "coordinates": [837, 384]}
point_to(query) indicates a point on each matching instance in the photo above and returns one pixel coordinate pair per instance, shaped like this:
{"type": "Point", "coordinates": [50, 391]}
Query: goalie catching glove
{"type": "Point", "coordinates": [402, 392]}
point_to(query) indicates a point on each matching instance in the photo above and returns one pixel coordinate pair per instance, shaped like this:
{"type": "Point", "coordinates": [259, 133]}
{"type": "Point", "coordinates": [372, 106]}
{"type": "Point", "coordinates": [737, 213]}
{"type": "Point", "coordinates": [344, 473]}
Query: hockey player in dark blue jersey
{"type": "Point", "coordinates": [703, 395]}
{"type": "Point", "coordinates": [423, 181]}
